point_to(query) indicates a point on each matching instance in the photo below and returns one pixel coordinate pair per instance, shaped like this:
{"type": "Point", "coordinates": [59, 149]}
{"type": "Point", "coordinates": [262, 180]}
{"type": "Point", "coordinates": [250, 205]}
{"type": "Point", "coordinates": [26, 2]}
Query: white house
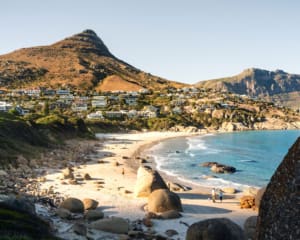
{"type": "Point", "coordinates": [79, 107]}
{"type": "Point", "coordinates": [95, 115]}
{"type": "Point", "coordinates": [63, 92]}
{"type": "Point", "coordinates": [113, 114]}
{"type": "Point", "coordinates": [99, 101]}
{"type": "Point", "coordinates": [4, 106]}
{"type": "Point", "coordinates": [177, 110]}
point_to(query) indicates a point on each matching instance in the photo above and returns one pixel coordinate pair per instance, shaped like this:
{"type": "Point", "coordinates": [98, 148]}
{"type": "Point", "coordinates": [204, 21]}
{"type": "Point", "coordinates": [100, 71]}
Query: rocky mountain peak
{"type": "Point", "coordinates": [86, 41]}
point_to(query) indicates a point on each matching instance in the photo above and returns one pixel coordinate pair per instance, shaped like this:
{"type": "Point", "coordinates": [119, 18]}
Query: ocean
{"type": "Point", "coordinates": [255, 155]}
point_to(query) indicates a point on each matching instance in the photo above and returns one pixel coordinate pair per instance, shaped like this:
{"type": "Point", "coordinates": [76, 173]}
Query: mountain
{"type": "Point", "coordinates": [81, 61]}
{"type": "Point", "coordinates": [277, 86]}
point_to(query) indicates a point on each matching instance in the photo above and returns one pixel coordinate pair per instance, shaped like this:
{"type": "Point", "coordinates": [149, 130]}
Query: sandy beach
{"type": "Point", "coordinates": [113, 166]}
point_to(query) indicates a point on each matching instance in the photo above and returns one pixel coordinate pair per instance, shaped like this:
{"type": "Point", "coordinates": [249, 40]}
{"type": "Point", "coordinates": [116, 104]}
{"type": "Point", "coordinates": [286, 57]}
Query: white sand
{"type": "Point", "coordinates": [115, 202]}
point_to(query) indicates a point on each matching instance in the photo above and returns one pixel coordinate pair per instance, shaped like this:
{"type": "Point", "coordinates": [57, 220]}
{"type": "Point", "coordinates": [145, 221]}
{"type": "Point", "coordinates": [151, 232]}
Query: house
{"type": "Point", "coordinates": [113, 114]}
{"type": "Point", "coordinates": [151, 108]}
{"type": "Point", "coordinates": [144, 91]}
{"type": "Point", "coordinates": [177, 110]}
{"type": "Point", "coordinates": [131, 100]}
{"type": "Point", "coordinates": [79, 107]}
{"type": "Point", "coordinates": [49, 92]}
{"type": "Point", "coordinates": [132, 113]}
{"type": "Point", "coordinates": [63, 92]}
{"type": "Point", "coordinates": [178, 102]}
{"type": "Point", "coordinates": [4, 106]}
{"type": "Point", "coordinates": [99, 101]}
{"type": "Point", "coordinates": [95, 115]}
{"type": "Point", "coordinates": [147, 114]}
{"type": "Point", "coordinates": [32, 92]}
{"type": "Point", "coordinates": [22, 111]}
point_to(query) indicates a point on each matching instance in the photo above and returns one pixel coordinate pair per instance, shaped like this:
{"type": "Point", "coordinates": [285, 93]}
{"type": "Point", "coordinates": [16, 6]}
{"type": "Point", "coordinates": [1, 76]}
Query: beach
{"type": "Point", "coordinates": [113, 168]}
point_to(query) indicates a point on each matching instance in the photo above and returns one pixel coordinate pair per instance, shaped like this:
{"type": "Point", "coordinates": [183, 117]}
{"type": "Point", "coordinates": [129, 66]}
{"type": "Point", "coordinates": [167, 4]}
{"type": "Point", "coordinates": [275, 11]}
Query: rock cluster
{"type": "Point", "coordinates": [218, 167]}
{"type": "Point", "coordinates": [247, 202]}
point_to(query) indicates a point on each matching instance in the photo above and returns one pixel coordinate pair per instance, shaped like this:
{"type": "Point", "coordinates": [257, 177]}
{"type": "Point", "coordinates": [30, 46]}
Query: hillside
{"type": "Point", "coordinates": [81, 62]}
{"type": "Point", "coordinates": [276, 86]}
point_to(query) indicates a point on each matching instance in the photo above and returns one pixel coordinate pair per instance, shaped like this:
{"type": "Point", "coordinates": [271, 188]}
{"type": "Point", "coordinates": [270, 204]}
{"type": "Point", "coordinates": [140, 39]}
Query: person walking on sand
{"type": "Point", "coordinates": [221, 195]}
{"type": "Point", "coordinates": [213, 195]}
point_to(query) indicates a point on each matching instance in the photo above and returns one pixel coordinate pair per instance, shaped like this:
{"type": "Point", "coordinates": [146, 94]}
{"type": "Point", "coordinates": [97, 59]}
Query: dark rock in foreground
{"type": "Point", "coordinates": [215, 229]}
{"type": "Point", "coordinates": [16, 223]}
{"type": "Point", "coordinates": [279, 212]}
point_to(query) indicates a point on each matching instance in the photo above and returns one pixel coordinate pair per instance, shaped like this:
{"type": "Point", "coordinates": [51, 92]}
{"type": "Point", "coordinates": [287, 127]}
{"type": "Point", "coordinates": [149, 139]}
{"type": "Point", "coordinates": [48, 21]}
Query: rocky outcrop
{"type": "Point", "coordinates": [279, 208]}
{"type": "Point", "coordinates": [147, 181]}
{"type": "Point", "coordinates": [93, 215]}
{"type": "Point", "coordinates": [250, 227]}
{"type": "Point", "coordinates": [221, 168]}
{"type": "Point", "coordinates": [89, 203]}
{"type": "Point", "coordinates": [218, 167]}
{"type": "Point", "coordinates": [163, 200]}
{"type": "Point", "coordinates": [215, 229]}
{"type": "Point", "coordinates": [74, 205]}
{"type": "Point", "coordinates": [258, 196]}
{"type": "Point", "coordinates": [247, 202]}
{"type": "Point", "coordinates": [113, 225]}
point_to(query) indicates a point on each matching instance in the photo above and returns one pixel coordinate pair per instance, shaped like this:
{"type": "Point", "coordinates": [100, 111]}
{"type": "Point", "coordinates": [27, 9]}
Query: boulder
{"type": "Point", "coordinates": [89, 203]}
{"type": "Point", "coordinates": [258, 196]}
{"type": "Point", "coordinates": [3, 173]}
{"type": "Point", "coordinates": [147, 181]}
{"type": "Point", "coordinates": [251, 191]}
{"type": "Point", "coordinates": [63, 213]}
{"type": "Point", "coordinates": [93, 215]}
{"type": "Point", "coordinates": [279, 209]}
{"type": "Point", "coordinates": [176, 187]}
{"type": "Point", "coordinates": [68, 174]}
{"type": "Point", "coordinates": [87, 176]}
{"type": "Point", "coordinates": [74, 205]}
{"type": "Point", "coordinates": [113, 225]}
{"type": "Point", "coordinates": [171, 214]}
{"type": "Point", "coordinates": [250, 227]}
{"type": "Point", "coordinates": [79, 229]}
{"type": "Point", "coordinates": [229, 190]}
{"type": "Point", "coordinates": [208, 164]}
{"type": "Point", "coordinates": [215, 229]}
{"type": "Point", "coordinates": [221, 168]}
{"type": "Point", "coordinates": [247, 202]}
{"type": "Point", "coordinates": [163, 200]}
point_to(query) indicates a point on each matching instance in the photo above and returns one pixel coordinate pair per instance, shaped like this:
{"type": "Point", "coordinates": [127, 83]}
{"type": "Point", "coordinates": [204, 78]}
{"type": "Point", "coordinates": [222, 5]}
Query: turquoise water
{"type": "Point", "coordinates": [255, 155]}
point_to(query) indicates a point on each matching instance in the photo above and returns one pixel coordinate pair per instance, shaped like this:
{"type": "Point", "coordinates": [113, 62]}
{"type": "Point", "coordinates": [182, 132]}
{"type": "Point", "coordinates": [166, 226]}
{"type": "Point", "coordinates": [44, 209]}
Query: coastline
{"type": "Point", "coordinates": [115, 154]}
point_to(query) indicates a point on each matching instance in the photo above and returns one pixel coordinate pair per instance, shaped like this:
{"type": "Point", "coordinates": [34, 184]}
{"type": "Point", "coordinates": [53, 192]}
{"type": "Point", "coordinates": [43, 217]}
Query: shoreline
{"type": "Point", "coordinates": [112, 166]}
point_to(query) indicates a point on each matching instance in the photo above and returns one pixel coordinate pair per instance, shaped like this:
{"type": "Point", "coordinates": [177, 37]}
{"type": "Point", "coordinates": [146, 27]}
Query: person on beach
{"type": "Point", "coordinates": [213, 195]}
{"type": "Point", "coordinates": [221, 195]}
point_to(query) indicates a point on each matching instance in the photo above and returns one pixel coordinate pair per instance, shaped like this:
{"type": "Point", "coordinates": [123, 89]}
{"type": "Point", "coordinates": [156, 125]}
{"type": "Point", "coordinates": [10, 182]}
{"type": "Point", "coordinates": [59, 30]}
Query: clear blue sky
{"type": "Point", "coordinates": [186, 41]}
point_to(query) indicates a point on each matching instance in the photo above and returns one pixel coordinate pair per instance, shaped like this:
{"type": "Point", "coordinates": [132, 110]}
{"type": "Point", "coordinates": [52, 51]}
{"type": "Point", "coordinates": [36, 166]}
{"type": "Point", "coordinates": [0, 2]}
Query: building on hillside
{"type": "Point", "coordinates": [147, 114]}
{"type": "Point", "coordinates": [5, 106]}
{"type": "Point", "coordinates": [95, 115]}
{"type": "Point", "coordinates": [22, 111]}
{"type": "Point", "coordinates": [113, 114]}
{"type": "Point", "coordinates": [32, 92]}
{"type": "Point", "coordinates": [99, 101]}
{"type": "Point", "coordinates": [63, 92]}
{"type": "Point", "coordinates": [79, 107]}
{"type": "Point", "coordinates": [177, 110]}
{"type": "Point", "coordinates": [132, 113]}
{"type": "Point", "coordinates": [131, 100]}
{"type": "Point", "coordinates": [178, 102]}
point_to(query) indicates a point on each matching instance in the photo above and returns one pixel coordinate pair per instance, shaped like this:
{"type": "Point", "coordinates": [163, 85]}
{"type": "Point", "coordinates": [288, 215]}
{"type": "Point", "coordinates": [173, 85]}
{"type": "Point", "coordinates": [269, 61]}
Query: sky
{"type": "Point", "coordinates": [186, 41]}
